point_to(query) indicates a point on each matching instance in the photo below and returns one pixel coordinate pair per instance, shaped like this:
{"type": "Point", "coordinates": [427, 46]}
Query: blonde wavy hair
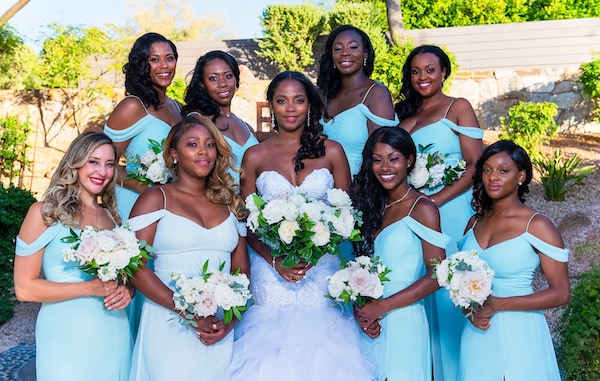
{"type": "Point", "coordinates": [220, 185]}
{"type": "Point", "coordinates": [62, 200]}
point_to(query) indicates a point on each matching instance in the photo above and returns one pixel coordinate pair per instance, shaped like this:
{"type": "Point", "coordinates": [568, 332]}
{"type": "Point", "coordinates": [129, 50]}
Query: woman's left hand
{"type": "Point", "coordinates": [214, 332]}
{"type": "Point", "coordinates": [481, 318]}
{"type": "Point", "coordinates": [370, 311]}
{"type": "Point", "coordinates": [119, 299]}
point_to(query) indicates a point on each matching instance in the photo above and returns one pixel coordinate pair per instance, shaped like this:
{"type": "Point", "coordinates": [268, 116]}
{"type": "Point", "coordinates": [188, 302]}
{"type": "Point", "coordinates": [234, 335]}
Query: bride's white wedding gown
{"type": "Point", "coordinates": [293, 332]}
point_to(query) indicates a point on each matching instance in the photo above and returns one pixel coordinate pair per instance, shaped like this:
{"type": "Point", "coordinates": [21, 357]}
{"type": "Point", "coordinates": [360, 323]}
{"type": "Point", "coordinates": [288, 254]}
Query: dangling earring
{"type": "Point", "coordinates": [442, 81]}
{"type": "Point", "coordinates": [174, 161]}
{"type": "Point", "coordinates": [335, 67]}
{"type": "Point", "coordinates": [365, 61]}
{"type": "Point", "coordinates": [272, 120]}
{"type": "Point", "coordinates": [308, 118]}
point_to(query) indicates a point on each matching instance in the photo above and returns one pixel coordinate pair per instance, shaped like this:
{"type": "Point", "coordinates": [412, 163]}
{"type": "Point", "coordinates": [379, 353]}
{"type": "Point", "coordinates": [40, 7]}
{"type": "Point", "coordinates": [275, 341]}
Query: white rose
{"type": "Point", "coordinates": [436, 174]}
{"type": "Point", "coordinates": [252, 221]}
{"type": "Point", "coordinates": [418, 177]}
{"type": "Point", "coordinates": [442, 271]}
{"type": "Point", "coordinates": [312, 210]}
{"type": "Point", "coordinates": [157, 171]}
{"type": "Point", "coordinates": [290, 211]}
{"type": "Point", "coordinates": [250, 204]}
{"type": "Point", "coordinates": [105, 242]}
{"type": "Point", "coordinates": [87, 250]}
{"type": "Point", "coordinates": [287, 231]}
{"type": "Point", "coordinates": [273, 211]}
{"type": "Point", "coordinates": [225, 296]}
{"type": "Point", "coordinates": [476, 286]}
{"type": "Point", "coordinates": [363, 282]}
{"type": "Point", "coordinates": [337, 282]}
{"type": "Point", "coordinates": [102, 258]}
{"type": "Point", "coordinates": [322, 234]}
{"type": "Point", "coordinates": [119, 259]}
{"type": "Point", "coordinates": [344, 224]}
{"type": "Point", "coordinates": [148, 158]}
{"type": "Point", "coordinates": [363, 261]}
{"type": "Point", "coordinates": [338, 197]}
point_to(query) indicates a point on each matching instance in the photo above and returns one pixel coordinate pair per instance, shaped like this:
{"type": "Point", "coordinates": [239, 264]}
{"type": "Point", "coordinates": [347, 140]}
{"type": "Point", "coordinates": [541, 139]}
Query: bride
{"type": "Point", "coordinates": [292, 331]}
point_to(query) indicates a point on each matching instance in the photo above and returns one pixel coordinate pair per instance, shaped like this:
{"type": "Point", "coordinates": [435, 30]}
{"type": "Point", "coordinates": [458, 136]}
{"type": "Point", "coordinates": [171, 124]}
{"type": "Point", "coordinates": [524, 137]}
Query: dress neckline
{"type": "Point", "coordinates": [289, 182]}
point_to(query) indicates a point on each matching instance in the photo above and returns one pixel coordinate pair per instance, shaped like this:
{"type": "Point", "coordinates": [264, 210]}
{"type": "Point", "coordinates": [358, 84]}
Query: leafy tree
{"type": "Point", "coordinates": [289, 34]}
{"type": "Point", "coordinates": [366, 16]}
{"type": "Point", "coordinates": [176, 20]}
{"type": "Point", "coordinates": [18, 62]}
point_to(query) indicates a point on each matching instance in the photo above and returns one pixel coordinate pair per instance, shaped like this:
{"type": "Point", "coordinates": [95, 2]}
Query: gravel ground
{"type": "Point", "coordinates": [577, 218]}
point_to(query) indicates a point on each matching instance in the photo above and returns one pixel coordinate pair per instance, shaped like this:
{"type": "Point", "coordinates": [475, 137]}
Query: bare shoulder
{"type": "Point", "coordinates": [544, 229]}
{"type": "Point", "coordinates": [126, 113]}
{"type": "Point", "coordinates": [427, 213]}
{"type": "Point", "coordinates": [151, 199]}
{"type": "Point", "coordinates": [380, 90]}
{"type": "Point", "coordinates": [334, 148]}
{"type": "Point", "coordinates": [33, 224]}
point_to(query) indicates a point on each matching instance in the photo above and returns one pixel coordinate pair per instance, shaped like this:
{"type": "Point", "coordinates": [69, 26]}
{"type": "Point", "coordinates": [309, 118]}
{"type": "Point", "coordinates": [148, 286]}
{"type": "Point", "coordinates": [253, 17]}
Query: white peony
{"type": "Point", "coordinates": [287, 231]}
{"type": "Point", "coordinates": [344, 224]}
{"type": "Point", "coordinates": [273, 211]}
{"type": "Point", "coordinates": [224, 296]}
{"type": "Point", "coordinates": [362, 282]}
{"type": "Point", "coordinates": [337, 283]}
{"type": "Point", "coordinates": [157, 171]}
{"type": "Point", "coordinates": [475, 286]}
{"type": "Point", "coordinates": [206, 305]}
{"type": "Point", "coordinates": [313, 210]}
{"type": "Point", "coordinates": [338, 198]}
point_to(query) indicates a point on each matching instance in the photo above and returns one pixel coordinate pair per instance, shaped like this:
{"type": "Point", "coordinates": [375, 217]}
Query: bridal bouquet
{"type": "Point", "coordinates": [303, 228]}
{"type": "Point", "coordinates": [467, 277]}
{"type": "Point", "coordinates": [107, 254]}
{"type": "Point", "coordinates": [432, 170]}
{"type": "Point", "coordinates": [203, 295]}
{"type": "Point", "coordinates": [359, 280]}
{"type": "Point", "coordinates": [150, 168]}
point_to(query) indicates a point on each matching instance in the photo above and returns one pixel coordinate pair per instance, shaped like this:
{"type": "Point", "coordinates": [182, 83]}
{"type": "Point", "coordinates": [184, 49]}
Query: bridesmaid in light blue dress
{"type": "Point", "coordinates": [190, 221]}
{"type": "Point", "coordinates": [356, 105]}
{"type": "Point", "coordinates": [77, 338]}
{"type": "Point", "coordinates": [509, 338]}
{"type": "Point", "coordinates": [215, 79]}
{"type": "Point", "coordinates": [449, 125]}
{"type": "Point", "coordinates": [402, 228]}
{"type": "Point", "coordinates": [145, 114]}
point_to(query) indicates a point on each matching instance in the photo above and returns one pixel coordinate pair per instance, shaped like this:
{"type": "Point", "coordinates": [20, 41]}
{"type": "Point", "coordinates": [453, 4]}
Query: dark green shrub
{"type": "Point", "coordinates": [530, 125]}
{"type": "Point", "coordinates": [14, 203]}
{"type": "Point", "coordinates": [579, 350]}
{"type": "Point", "coordinates": [559, 174]}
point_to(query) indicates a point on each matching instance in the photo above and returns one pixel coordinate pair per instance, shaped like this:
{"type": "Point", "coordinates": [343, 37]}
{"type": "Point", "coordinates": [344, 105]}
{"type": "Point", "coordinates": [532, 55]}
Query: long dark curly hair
{"type": "Point", "coordinates": [481, 201]}
{"type": "Point", "coordinates": [330, 79]}
{"type": "Point", "coordinates": [411, 100]}
{"type": "Point", "coordinates": [196, 98]}
{"type": "Point", "coordinates": [137, 69]}
{"type": "Point", "coordinates": [312, 141]}
{"type": "Point", "coordinates": [368, 196]}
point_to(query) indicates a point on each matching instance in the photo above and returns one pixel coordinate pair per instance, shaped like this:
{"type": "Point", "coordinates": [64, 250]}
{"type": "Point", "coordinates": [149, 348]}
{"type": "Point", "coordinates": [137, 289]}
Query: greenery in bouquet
{"type": "Point", "coordinates": [358, 281]}
{"type": "Point", "coordinates": [302, 228]}
{"type": "Point", "coordinates": [432, 170]}
{"type": "Point", "coordinates": [467, 277]}
{"type": "Point", "coordinates": [203, 295]}
{"type": "Point", "coordinates": [150, 168]}
{"type": "Point", "coordinates": [107, 254]}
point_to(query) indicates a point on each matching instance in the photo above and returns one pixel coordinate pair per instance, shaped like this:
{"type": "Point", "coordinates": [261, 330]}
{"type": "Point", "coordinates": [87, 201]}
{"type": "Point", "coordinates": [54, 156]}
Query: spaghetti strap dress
{"type": "Point", "coordinates": [517, 346]}
{"type": "Point", "coordinates": [349, 128]}
{"type": "Point", "coordinates": [140, 133]}
{"type": "Point", "coordinates": [402, 350]}
{"type": "Point", "coordinates": [76, 339]}
{"type": "Point", "coordinates": [164, 349]}
{"type": "Point", "coordinates": [238, 151]}
{"type": "Point", "coordinates": [446, 320]}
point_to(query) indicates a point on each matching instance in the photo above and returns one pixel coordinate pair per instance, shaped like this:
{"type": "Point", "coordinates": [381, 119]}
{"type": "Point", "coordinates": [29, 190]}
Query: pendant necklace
{"type": "Point", "coordinates": [398, 200]}
{"type": "Point", "coordinates": [226, 124]}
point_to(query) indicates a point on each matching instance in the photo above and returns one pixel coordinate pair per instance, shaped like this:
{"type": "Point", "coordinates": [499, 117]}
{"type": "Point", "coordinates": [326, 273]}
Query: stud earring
{"type": "Point", "coordinates": [335, 67]}
{"type": "Point", "coordinates": [308, 118]}
{"type": "Point", "coordinates": [174, 161]}
{"type": "Point", "coordinates": [520, 183]}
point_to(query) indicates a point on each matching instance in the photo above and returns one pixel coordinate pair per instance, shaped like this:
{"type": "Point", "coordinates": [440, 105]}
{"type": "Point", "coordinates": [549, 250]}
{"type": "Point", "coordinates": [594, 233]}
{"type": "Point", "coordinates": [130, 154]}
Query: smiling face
{"type": "Point", "coordinates": [162, 63]}
{"type": "Point", "coordinates": [348, 52]}
{"type": "Point", "coordinates": [290, 105]}
{"type": "Point", "coordinates": [196, 152]}
{"type": "Point", "coordinates": [501, 176]}
{"type": "Point", "coordinates": [98, 171]}
{"type": "Point", "coordinates": [390, 168]}
{"type": "Point", "coordinates": [426, 74]}
{"type": "Point", "coordinates": [219, 81]}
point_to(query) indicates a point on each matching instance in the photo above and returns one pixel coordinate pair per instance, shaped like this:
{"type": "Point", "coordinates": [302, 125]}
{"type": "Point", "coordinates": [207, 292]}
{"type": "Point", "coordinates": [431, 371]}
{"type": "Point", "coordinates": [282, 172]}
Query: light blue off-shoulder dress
{"type": "Point", "coordinates": [402, 351]}
{"type": "Point", "coordinates": [239, 150]}
{"type": "Point", "coordinates": [164, 349]}
{"type": "Point", "coordinates": [76, 339]}
{"type": "Point", "coordinates": [447, 320]}
{"type": "Point", "coordinates": [349, 128]}
{"type": "Point", "coordinates": [517, 346]}
{"type": "Point", "coordinates": [140, 133]}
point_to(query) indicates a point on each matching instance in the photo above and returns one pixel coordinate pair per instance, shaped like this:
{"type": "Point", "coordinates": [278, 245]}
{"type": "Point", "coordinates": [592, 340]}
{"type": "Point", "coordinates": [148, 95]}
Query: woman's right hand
{"type": "Point", "coordinates": [210, 330]}
{"type": "Point", "coordinates": [102, 288]}
{"type": "Point", "coordinates": [291, 274]}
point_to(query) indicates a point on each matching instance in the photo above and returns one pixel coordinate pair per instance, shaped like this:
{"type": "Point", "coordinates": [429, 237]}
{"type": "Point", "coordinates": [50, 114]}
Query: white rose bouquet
{"type": "Point", "coordinates": [432, 170]}
{"type": "Point", "coordinates": [467, 277]}
{"type": "Point", "coordinates": [107, 254]}
{"type": "Point", "coordinates": [203, 295]}
{"type": "Point", "coordinates": [358, 280]}
{"type": "Point", "coordinates": [301, 228]}
{"type": "Point", "coordinates": [150, 168]}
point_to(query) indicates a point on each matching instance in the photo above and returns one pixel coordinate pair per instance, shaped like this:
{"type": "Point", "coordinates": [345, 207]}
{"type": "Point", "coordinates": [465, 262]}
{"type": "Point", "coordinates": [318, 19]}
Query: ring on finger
{"type": "Point", "coordinates": [300, 272]}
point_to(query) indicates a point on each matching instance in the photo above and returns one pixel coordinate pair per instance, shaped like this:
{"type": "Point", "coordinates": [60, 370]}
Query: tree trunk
{"type": "Point", "coordinates": [12, 11]}
{"type": "Point", "coordinates": [394, 17]}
